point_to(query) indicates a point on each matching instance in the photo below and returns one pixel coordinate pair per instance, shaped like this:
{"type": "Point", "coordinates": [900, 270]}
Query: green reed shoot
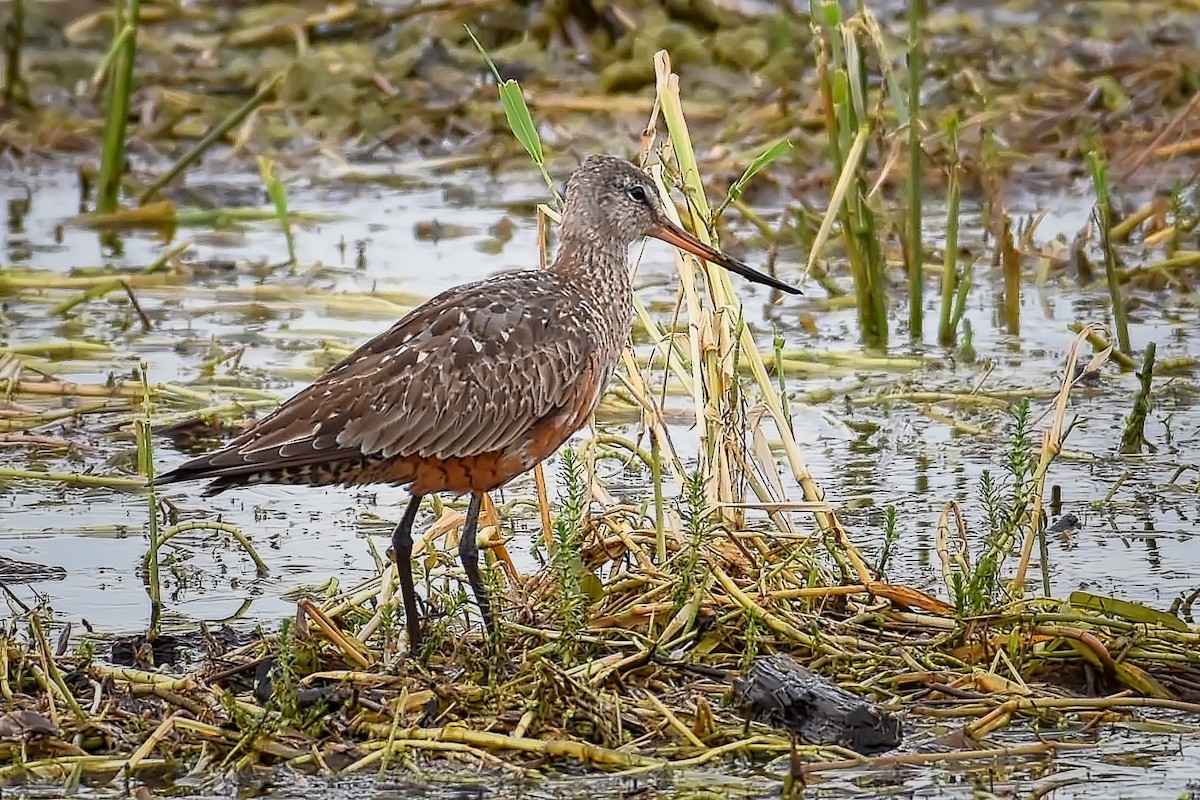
{"type": "Point", "coordinates": [144, 437]}
{"type": "Point", "coordinates": [1104, 218]}
{"type": "Point", "coordinates": [656, 478]}
{"type": "Point", "coordinates": [1006, 502]}
{"type": "Point", "coordinates": [277, 193]}
{"type": "Point", "coordinates": [842, 75]}
{"type": "Point", "coordinates": [891, 535]}
{"type": "Point", "coordinates": [692, 505]}
{"type": "Point", "coordinates": [777, 343]}
{"type": "Point", "coordinates": [520, 121]}
{"type": "Point", "coordinates": [119, 86]}
{"type": "Point", "coordinates": [567, 558]}
{"type": "Point", "coordinates": [914, 251]}
{"type": "Point", "coordinates": [1133, 439]}
{"type": "Point", "coordinates": [954, 288]}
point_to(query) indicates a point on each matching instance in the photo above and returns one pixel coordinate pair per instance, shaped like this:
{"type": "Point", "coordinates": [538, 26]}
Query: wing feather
{"type": "Point", "coordinates": [464, 374]}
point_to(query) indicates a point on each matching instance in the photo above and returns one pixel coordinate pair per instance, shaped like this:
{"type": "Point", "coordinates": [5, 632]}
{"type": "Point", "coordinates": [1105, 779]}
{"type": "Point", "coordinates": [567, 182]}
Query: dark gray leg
{"type": "Point", "coordinates": [402, 547]}
{"type": "Point", "coordinates": [468, 551]}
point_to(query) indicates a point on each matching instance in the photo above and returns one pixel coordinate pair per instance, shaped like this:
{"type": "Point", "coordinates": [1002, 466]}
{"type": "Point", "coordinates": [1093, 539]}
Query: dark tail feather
{"type": "Point", "coordinates": [224, 479]}
{"type": "Point", "coordinates": [313, 469]}
{"type": "Point", "coordinates": [208, 467]}
{"type": "Point", "coordinates": [195, 469]}
{"type": "Point", "coordinates": [200, 472]}
{"type": "Point", "coordinates": [174, 476]}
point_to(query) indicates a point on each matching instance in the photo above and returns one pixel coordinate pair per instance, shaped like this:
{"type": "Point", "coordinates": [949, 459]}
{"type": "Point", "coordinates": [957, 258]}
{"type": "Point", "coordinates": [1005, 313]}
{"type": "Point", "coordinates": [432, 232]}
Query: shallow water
{"type": "Point", "coordinates": [1140, 546]}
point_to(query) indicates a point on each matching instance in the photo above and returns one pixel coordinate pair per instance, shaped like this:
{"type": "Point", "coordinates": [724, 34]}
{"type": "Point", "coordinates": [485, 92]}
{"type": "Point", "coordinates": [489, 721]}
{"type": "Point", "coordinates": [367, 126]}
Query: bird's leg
{"type": "Point", "coordinates": [468, 551]}
{"type": "Point", "coordinates": [402, 547]}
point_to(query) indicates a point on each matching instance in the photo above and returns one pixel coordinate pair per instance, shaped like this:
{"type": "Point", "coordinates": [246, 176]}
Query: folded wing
{"type": "Point", "coordinates": [467, 373]}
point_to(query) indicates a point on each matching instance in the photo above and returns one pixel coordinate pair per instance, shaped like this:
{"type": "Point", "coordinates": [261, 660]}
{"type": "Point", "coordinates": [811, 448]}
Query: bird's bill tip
{"type": "Point", "coordinates": [672, 234]}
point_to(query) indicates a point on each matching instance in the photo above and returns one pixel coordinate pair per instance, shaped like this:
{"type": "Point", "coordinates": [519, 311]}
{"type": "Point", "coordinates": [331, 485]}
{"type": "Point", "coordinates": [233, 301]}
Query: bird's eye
{"type": "Point", "coordinates": [636, 193]}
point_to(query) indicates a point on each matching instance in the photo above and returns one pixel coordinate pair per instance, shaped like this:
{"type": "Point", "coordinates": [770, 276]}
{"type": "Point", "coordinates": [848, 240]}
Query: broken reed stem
{"type": "Point", "coordinates": [73, 479]}
{"type": "Point", "coordinates": [1134, 436]}
{"type": "Point", "coordinates": [543, 497]}
{"type": "Point", "coordinates": [118, 87]}
{"type": "Point", "coordinates": [951, 309]}
{"type": "Point", "coordinates": [169, 533]}
{"type": "Point", "coordinates": [55, 768]}
{"type": "Point", "coordinates": [656, 478]}
{"type": "Point", "coordinates": [1099, 343]}
{"type": "Point", "coordinates": [553, 748]}
{"type": "Point", "coordinates": [1103, 216]}
{"type": "Point", "coordinates": [914, 251]}
{"type": "Point", "coordinates": [1010, 265]}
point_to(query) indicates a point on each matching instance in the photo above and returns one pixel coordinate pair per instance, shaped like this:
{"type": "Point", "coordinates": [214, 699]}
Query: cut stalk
{"type": "Point", "coordinates": [1104, 221]}
{"type": "Point", "coordinates": [1134, 437]}
{"type": "Point", "coordinates": [948, 324]}
{"type": "Point", "coordinates": [914, 249]}
{"type": "Point", "coordinates": [1010, 264]}
{"type": "Point", "coordinates": [119, 87]}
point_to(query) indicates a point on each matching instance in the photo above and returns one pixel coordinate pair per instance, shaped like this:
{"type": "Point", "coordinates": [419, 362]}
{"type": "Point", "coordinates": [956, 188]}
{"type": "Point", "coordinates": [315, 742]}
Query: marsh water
{"type": "Point", "coordinates": [375, 252]}
{"type": "Point", "coordinates": [401, 231]}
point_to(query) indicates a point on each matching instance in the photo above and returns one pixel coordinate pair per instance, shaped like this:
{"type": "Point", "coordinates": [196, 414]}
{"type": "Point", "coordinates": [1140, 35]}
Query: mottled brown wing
{"type": "Point", "coordinates": [464, 374]}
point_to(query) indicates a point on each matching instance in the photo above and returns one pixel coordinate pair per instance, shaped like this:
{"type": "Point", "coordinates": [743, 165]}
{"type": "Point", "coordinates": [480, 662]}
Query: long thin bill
{"type": "Point", "coordinates": [673, 234]}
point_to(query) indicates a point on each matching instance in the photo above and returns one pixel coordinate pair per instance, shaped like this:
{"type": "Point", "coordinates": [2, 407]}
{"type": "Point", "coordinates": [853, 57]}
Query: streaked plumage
{"type": "Point", "coordinates": [478, 384]}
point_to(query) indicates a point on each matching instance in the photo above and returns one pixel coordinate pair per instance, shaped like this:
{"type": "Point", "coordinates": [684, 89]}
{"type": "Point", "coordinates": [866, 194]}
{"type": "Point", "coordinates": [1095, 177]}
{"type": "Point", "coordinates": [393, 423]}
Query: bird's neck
{"type": "Point", "coordinates": [597, 263]}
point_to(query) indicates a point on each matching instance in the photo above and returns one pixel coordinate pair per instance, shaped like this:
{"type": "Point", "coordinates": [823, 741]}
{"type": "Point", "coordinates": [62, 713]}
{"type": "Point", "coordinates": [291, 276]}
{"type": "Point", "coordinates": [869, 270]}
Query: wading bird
{"type": "Point", "coordinates": [477, 385]}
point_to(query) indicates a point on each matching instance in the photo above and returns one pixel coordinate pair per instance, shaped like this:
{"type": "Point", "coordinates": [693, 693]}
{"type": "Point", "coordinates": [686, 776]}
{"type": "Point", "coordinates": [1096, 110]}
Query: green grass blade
{"type": "Point", "coordinates": [520, 121]}
{"type": "Point", "coordinates": [277, 193]}
{"type": "Point", "coordinates": [764, 160]}
{"type": "Point", "coordinates": [1103, 215]}
{"type": "Point", "coordinates": [118, 90]}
